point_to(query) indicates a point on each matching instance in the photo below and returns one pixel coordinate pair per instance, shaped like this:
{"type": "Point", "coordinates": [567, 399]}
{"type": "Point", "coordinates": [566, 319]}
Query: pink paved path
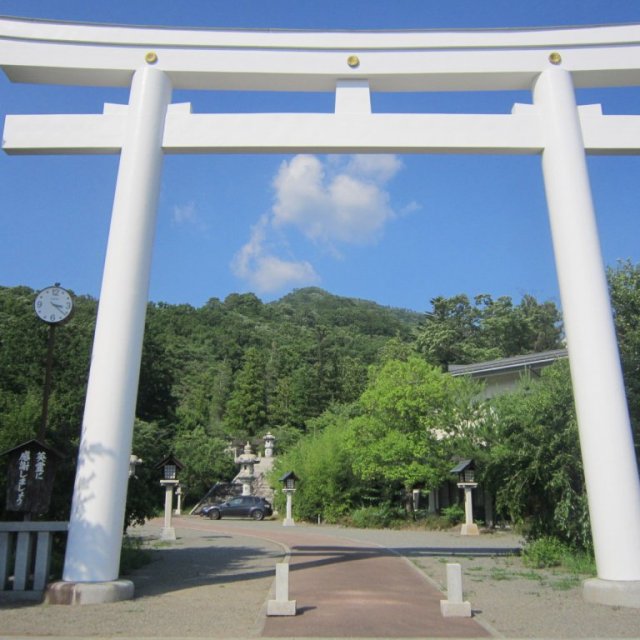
{"type": "Point", "coordinates": [346, 588]}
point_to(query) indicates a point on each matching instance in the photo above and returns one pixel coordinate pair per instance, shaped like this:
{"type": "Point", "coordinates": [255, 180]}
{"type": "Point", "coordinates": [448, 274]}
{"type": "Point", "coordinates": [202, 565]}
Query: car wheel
{"type": "Point", "coordinates": [214, 514]}
{"type": "Point", "coordinates": [257, 515]}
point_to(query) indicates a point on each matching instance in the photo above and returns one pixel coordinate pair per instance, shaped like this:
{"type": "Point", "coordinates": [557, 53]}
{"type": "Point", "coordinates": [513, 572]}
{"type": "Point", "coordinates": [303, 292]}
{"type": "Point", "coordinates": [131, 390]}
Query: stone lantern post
{"type": "Point", "coordinates": [466, 480]}
{"type": "Point", "coordinates": [246, 460]}
{"type": "Point", "coordinates": [178, 511]}
{"type": "Point", "coordinates": [170, 467]}
{"type": "Point", "coordinates": [289, 487]}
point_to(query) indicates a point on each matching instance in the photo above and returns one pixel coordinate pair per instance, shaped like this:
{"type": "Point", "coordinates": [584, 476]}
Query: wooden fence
{"type": "Point", "coordinates": [25, 557]}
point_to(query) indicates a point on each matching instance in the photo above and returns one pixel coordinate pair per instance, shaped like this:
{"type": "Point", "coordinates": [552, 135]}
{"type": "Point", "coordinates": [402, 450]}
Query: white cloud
{"type": "Point", "coordinates": [185, 213]}
{"type": "Point", "coordinates": [267, 273]}
{"type": "Point", "coordinates": [341, 200]}
{"type": "Point", "coordinates": [376, 167]}
{"type": "Point", "coordinates": [274, 274]}
{"type": "Point", "coordinates": [411, 207]}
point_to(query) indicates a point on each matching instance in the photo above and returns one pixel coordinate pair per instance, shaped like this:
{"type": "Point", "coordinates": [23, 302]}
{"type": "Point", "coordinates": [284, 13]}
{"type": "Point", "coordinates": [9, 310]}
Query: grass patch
{"type": "Point", "coordinates": [500, 573]}
{"type": "Point", "coordinates": [580, 563]}
{"type": "Point", "coordinates": [549, 552]}
{"type": "Point", "coordinates": [564, 583]}
{"type": "Point", "coordinates": [134, 555]}
{"type": "Point", "coordinates": [530, 575]}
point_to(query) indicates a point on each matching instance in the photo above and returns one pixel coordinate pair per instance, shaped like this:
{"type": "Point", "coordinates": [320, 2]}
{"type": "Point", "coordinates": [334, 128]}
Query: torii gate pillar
{"type": "Point", "coordinates": [606, 440]}
{"type": "Point", "coordinates": [97, 512]}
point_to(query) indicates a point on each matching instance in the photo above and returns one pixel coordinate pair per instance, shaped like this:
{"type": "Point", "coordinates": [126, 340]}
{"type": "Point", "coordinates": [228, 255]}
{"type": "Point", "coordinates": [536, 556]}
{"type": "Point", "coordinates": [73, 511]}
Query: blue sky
{"type": "Point", "coordinates": [434, 225]}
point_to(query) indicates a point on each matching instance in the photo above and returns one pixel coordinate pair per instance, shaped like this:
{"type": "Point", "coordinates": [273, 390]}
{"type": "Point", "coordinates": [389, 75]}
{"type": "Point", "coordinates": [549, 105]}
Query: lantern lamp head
{"type": "Point", "coordinates": [289, 481]}
{"type": "Point", "coordinates": [465, 471]}
{"type": "Point", "coordinates": [170, 466]}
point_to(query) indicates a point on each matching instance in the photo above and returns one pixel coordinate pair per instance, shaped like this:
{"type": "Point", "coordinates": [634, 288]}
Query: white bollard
{"type": "Point", "coordinates": [453, 606]}
{"type": "Point", "coordinates": [282, 606]}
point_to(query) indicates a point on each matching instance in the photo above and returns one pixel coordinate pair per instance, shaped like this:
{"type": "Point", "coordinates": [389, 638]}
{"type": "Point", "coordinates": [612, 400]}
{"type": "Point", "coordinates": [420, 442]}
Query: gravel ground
{"type": "Point", "coordinates": [522, 603]}
{"type": "Point", "coordinates": [203, 585]}
{"type": "Point", "coordinates": [214, 584]}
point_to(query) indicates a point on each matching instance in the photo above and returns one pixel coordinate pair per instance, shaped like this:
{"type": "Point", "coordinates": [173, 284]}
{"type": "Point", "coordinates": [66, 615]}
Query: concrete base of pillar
{"type": "Point", "coordinates": [281, 608]}
{"type": "Point", "coordinates": [616, 593]}
{"type": "Point", "coordinates": [62, 592]}
{"type": "Point", "coordinates": [455, 609]}
{"type": "Point", "coordinates": [288, 522]}
{"type": "Point", "coordinates": [168, 533]}
{"type": "Point", "coordinates": [469, 530]}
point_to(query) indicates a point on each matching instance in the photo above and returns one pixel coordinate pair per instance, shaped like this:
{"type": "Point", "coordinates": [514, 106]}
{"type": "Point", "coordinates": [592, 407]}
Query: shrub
{"type": "Point", "coordinates": [544, 552]}
{"type": "Point", "coordinates": [454, 514]}
{"type": "Point", "coordinates": [375, 517]}
{"type": "Point", "coordinates": [435, 522]}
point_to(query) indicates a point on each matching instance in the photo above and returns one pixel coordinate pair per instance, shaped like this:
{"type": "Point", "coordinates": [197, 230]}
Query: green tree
{"type": "Point", "coordinates": [459, 332]}
{"type": "Point", "coordinates": [517, 329]}
{"type": "Point", "coordinates": [412, 417]}
{"type": "Point", "coordinates": [247, 406]}
{"type": "Point", "coordinates": [327, 487]}
{"type": "Point", "coordinates": [533, 464]}
{"type": "Point", "coordinates": [206, 460]}
{"type": "Point", "coordinates": [624, 285]}
{"type": "Point", "coordinates": [151, 443]}
{"type": "Point", "coordinates": [450, 333]}
{"type": "Point", "coordinates": [156, 401]}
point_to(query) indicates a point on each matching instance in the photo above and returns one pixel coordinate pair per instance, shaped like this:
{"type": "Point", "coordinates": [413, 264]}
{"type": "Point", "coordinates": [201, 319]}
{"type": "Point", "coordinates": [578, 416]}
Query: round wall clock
{"type": "Point", "coordinates": [54, 305]}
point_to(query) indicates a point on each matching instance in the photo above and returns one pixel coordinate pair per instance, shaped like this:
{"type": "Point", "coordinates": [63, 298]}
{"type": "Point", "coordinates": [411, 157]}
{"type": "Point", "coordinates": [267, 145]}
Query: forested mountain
{"type": "Point", "coordinates": [243, 366]}
{"type": "Point", "coordinates": [232, 370]}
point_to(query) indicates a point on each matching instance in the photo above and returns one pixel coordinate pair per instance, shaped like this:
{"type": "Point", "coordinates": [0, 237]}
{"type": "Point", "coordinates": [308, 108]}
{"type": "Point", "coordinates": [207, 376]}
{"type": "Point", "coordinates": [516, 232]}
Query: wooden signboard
{"type": "Point", "coordinates": [31, 470]}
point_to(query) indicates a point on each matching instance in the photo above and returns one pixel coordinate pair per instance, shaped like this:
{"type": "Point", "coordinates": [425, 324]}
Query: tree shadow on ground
{"type": "Point", "coordinates": [173, 569]}
{"type": "Point", "coordinates": [332, 554]}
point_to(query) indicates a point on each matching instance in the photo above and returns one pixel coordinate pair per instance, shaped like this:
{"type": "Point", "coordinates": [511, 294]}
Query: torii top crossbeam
{"type": "Point", "coordinates": [80, 54]}
{"type": "Point", "coordinates": [350, 64]}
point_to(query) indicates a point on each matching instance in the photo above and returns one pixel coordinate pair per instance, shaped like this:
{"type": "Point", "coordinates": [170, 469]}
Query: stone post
{"type": "Point", "coordinates": [454, 606]}
{"type": "Point", "coordinates": [168, 532]}
{"type": "Point", "coordinates": [288, 521]}
{"type": "Point", "coordinates": [469, 528]}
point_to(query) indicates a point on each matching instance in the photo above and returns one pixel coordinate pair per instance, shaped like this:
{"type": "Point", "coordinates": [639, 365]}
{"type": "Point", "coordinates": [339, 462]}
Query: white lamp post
{"type": "Point", "coordinates": [178, 510]}
{"type": "Point", "coordinates": [170, 466]}
{"type": "Point", "coordinates": [466, 481]}
{"type": "Point", "coordinates": [289, 486]}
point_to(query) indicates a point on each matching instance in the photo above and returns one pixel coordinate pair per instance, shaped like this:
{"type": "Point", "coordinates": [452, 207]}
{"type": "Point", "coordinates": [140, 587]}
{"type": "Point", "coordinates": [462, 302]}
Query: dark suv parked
{"type": "Point", "coordinates": [242, 506]}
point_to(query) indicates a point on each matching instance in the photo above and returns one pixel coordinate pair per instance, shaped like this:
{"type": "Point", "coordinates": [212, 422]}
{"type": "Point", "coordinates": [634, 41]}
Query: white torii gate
{"type": "Point", "coordinates": [152, 62]}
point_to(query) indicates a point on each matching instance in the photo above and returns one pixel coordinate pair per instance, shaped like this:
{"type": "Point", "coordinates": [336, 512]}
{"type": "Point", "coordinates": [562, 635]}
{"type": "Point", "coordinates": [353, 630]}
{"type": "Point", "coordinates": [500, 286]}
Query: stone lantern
{"type": "Point", "coordinates": [289, 487]}
{"type": "Point", "coordinates": [134, 462]}
{"type": "Point", "coordinates": [170, 467]}
{"type": "Point", "coordinates": [246, 460]}
{"type": "Point", "coordinates": [465, 471]}
{"type": "Point", "coordinates": [269, 443]}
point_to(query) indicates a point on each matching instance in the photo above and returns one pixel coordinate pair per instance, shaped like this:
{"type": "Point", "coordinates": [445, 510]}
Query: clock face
{"type": "Point", "coordinates": [53, 305]}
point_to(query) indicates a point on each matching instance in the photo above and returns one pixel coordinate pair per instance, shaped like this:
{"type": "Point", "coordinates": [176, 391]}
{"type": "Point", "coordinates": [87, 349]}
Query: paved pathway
{"type": "Point", "coordinates": [354, 583]}
{"type": "Point", "coordinates": [214, 582]}
{"type": "Point", "coordinates": [348, 589]}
